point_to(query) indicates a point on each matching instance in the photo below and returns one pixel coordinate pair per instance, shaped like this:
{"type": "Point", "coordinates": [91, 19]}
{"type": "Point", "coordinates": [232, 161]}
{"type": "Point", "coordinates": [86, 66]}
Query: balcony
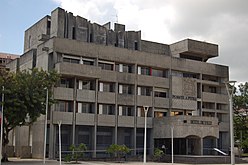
{"type": "Point", "coordinates": [65, 117]}
{"type": "Point", "coordinates": [86, 95]}
{"type": "Point", "coordinates": [161, 102]}
{"type": "Point", "coordinates": [79, 70]}
{"type": "Point", "coordinates": [106, 97]}
{"type": "Point", "coordinates": [186, 126]}
{"type": "Point", "coordinates": [125, 121]}
{"type": "Point", "coordinates": [126, 78]}
{"type": "Point", "coordinates": [184, 104]}
{"type": "Point", "coordinates": [107, 75]}
{"type": "Point", "coordinates": [125, 99]}
{"type": "Point", "coordinates": [85, 119]}
{"type": "Point", "coordinates": [144, 100]}
{"type": "Point", "coordinates": [106, 120]}
{"type": "Point", "coordinates": [141, 122]}
{"type": "Point", "coordinates": [214, 97]}
{"type": "Point", "coordinates": [61, 93]}
{"type": "Point", "coordinates": [144, 80]}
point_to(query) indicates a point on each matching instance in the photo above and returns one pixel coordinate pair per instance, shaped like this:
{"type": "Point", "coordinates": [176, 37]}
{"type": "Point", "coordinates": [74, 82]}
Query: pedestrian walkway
{"type": "Point", "coordinates": [16, 161]}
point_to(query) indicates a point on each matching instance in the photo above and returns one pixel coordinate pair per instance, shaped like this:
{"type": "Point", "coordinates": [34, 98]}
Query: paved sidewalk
{"type": "Point", "coordinates": [16, 161]}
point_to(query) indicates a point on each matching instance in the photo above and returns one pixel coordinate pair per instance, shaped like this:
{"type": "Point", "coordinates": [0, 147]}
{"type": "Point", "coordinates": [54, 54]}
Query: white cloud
{"type": "Point", "coordinates": [222, 22]}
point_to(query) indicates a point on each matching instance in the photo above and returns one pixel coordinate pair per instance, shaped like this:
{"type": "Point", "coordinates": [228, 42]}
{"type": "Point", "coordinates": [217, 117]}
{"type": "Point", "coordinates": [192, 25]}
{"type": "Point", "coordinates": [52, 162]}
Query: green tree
{"type": "Point", "coordinates": [240, 102]}
{"type": "Point", "coordinates": [24, 97]}
{"type": "Point", "coordinates": [118, 150]}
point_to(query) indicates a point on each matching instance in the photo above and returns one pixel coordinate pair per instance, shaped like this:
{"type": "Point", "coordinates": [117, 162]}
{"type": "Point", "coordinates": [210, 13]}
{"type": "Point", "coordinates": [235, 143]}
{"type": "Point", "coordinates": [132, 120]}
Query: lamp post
{"type": "Point", "coordinates": [230, 95]}
{"type": "Point", "coordinates": [45, 129]}
{"type": "Point", "coordinates": [2, 118]}
{"type": "Point", "coordinates": [59, 123]}
{"type": "Point", "coordinates": [172, 144]}
{"type": "Point", "coordinates": [146, 108]}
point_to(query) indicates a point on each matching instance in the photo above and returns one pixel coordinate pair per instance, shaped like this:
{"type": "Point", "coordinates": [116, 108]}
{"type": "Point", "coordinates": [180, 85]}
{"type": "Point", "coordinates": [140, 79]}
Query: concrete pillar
{"type": "Point", "coordinates": [187, 146]}
{"type": "Point", "coordinates": [94, 141]}
{"type": "Point", "coordinates": [52, 140]}
{"type": "Point", "coordinates": [74, 111]}
{"type": "Point", "coordinates": [116, 115]}
{"type": "Point", "coordinates": [201, 146]}
{"type": "Point", "coordinates": [95, 121]}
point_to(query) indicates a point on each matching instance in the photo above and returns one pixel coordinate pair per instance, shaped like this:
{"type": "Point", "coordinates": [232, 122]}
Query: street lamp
{"type": "Point", "coordinates": [59, 123]}
{"type": "Point", "coordinates": [146, 108]}
{"type": "Point", "coordinates": [230, 95]}
{"type": "Point", "coordinates": [45, 129]}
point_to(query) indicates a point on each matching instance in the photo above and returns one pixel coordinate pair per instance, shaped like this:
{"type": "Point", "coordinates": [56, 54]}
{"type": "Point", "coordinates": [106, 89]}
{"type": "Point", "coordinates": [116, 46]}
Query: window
{"type": "Point", "coordinates": [127, 68]}
{"type": "Point", "coordinates": [66, 83]}
{"type": "Point", "coordinates": [106, 109]}
{"type": "Point", "coordinates": [126, 111]}
{"type": "Point", "coordinates": [160, 94]}
{"type": "Point", "coordinates": [106, 65]}
{"type": "Point", "coordinates": [87, 61]}
{"type": "Point", "coordinates": [86, 108]}
{"type": "Point", "coordinates": [86, 84]}
{"type": "Point", "coordinates": [64, 106]}
{"type": "Point", "coordinates": [71, 59]}
{"type": "Point", "coordinates": [106, 87]}
{"type": "Point", "coordinates": [144, 91]}
{"type": "Point", "coordinates": [158, 73]}
{"type": "Point", "coordinates": [125, 89]}
{"type": "Point", "coordinates": [158, 114]}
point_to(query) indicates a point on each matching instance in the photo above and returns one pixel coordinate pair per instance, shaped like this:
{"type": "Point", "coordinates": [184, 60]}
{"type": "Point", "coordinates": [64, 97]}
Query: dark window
{"type": "Point", "coordinates": [64, 106]}
{"type": "Point", "coordinates": [73, 33]}
{"type": "Point", "coordinates": [87, 108]}
{"type": "Point", "coordinates": [106, 66]}
{"type": "Point", "coordinates": [160, 94]}
{"type": "Point", "coordinates": [135, 45]}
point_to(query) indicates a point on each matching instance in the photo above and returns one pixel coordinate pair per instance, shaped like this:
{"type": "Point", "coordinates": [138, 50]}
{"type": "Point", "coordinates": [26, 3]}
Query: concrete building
{"type": "Point", "coordinates": [109, 75]}
{"type": "Point", "coordinates": [6, 58]}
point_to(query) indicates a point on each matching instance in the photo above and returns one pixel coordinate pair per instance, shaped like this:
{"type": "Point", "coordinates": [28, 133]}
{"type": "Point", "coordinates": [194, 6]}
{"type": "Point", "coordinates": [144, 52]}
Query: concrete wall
{"type": "Point", "coordinates": [34, 33]}
{"type": "Point", "coordinates": [156, 48]}
{"type": "Point", "coordinates": [183, 127]}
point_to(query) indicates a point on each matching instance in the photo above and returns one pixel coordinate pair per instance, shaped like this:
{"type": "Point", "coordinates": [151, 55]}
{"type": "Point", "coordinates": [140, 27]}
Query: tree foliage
{"type": "Point", "coordinates": [118, 150]}
{"type": "Point", "coordinates": [25, 96]}
{"type": "Point", "coordinates": [240, 105]}
{"type": "Point", "coordinates": [76, 152]}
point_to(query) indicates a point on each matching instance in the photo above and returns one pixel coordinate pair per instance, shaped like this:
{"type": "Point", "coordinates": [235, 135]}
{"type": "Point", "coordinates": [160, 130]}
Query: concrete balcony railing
{"type": "Point", "coordinates": [125, 99]}
{"type": "Point", "coordinates": [186, 126]}
{"type": "Point", "coordinates": [80, 70]}
{"type": "Point", "coordinates": [107, 75]}
{"type": "Point", "coordinates": [65, 117]}
{"type": "Point", "coordinates": [61, 93]}
{"type": "Point", "coordinates": [214, 97]}
{"type": "Point", "coordinates": [144, 80]}
{"type": "Point", "coordinates": [85, 119]}
{"type": "Point", "coordinates": [141, 122]}
{"type": "Point", "coordinates": [106, 120]}
{"type": "Point", "coordinates": [126, 78]}
{"type": "Point", "coordinates": [161, 102]}
{"type": "Point", "coordinates": [125, 121]}
{"type": "Point", "coordinates": [86, 95]}
{"type": "Point", "coordinates": [144, 100]}
{"type": "Point", "coordinates": [106, 97]}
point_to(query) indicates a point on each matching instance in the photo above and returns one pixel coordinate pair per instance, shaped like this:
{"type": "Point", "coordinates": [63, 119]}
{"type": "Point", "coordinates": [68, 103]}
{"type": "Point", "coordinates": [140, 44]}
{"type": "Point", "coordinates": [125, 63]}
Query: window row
{"type": "Point", "coordinates": [120, 67]}
{"type": "Point", "coordinates": [105, 109]}
{"type": "Point", "coordinates": [111, 87]}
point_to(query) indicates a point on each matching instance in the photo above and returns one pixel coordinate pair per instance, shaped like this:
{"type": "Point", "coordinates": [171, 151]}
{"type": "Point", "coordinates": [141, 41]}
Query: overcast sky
{"type": "Point", "coordinates": [223, 22]}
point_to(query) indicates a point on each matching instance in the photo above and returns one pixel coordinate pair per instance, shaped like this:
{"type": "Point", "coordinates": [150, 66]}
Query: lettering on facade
{"type": "Point", "coordinates": [184, 97]}
{"type": "Point", "coordinates": [201, 122]}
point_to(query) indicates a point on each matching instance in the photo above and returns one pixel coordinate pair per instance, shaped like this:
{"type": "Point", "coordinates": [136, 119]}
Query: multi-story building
{"type": "Point", "coordinates": [107, 76]}
{"type": "Point", "coordinates": [6, 58]}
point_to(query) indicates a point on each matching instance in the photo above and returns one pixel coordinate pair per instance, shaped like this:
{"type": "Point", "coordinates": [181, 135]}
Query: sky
{"type": "Point", "coordinates": [222, 22]}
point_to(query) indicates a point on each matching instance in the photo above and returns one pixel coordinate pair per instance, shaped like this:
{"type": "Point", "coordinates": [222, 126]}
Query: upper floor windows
{"type": "Point", "coordinates": [86, 84]}
{"type": "Point", "coordinates": [126, 89]}
{"type": "Point", "coordinates": [144, 91]}
{"type": "Point", "coordinates": [66, 82]}
{"type": "Point", "coordinates": [127, 68]}
{"type": "Point", "coordinates": [86, 108]}
{"type": "Point", "coordinates": [64, 106]}
{"type": "Point", "coordinates": [71, 59]}
{"type": "Point", "coordinates": [106, 87]}
{"type": "Point", "coordinates": [144, 70]}
{"type": "Point", "coordinates": [106, 109]}
{"type": "Point", "coordinates": [106, 65]}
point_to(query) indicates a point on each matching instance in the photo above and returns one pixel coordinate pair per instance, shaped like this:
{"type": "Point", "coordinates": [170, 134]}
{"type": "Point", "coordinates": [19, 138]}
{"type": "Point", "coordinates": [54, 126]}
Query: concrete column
{"type": "Point", "coordinates": [201, 146]}
{"type": "Point", "coordinates": [116, 114]}
{"type": "Point", "coordinates": [135, 110]}
{"type": "Point", "coordinates": [51, 153]}
{"type": "Point", "coordinates": [187, 146]}
{"type": "Point", "coordinates": [95, 121]}
{"type": "Point", "coordinates": [74, 111]}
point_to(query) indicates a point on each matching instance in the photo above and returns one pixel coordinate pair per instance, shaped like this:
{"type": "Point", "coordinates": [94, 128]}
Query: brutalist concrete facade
{"type": "Point", "coordinates": [109, 75]}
